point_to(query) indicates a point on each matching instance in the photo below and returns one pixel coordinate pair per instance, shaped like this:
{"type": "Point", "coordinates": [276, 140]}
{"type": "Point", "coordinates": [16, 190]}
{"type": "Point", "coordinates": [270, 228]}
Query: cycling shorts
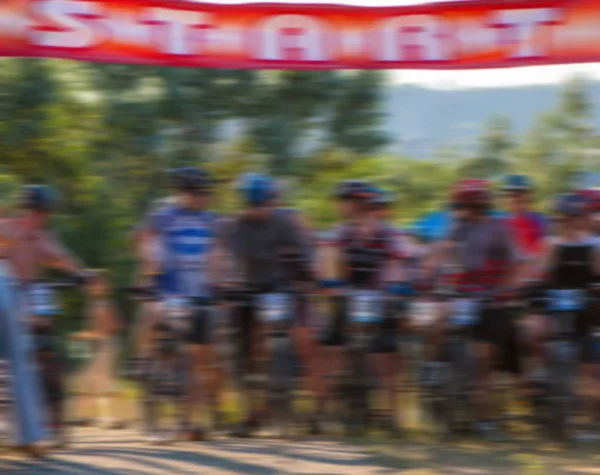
{"type": "Point", "coordinates": [386, 335]}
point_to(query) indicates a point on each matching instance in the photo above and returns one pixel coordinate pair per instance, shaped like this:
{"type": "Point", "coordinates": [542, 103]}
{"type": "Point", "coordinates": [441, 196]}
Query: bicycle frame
{"type": "Point", "coordinates": [275, 311]}
{"type": "Point", "coordinates": [562, 362]}
{"type": "Point", "coordinates": [457, 385]}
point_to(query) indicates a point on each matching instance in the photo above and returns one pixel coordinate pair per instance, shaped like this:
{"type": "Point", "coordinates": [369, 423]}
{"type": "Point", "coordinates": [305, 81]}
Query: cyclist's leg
{"type": "Point", "coordinates": [146, 319]}
{"type": "Point", "coordinates": [533, 334]}
{"type": "Point", "coordinates": [306, 346]}
{"type": "Point", "coordinates": [486, 338]}
{"type": "Point", "coordinates": [588, 386]}
{"type": "Point", "coordinates": [249, 355]}
{"type": "Point", "coordinates": [331, 357]}
{"type": "Point", "coordinates": [386, 361]}
{"type": "Point", "coordinates": [434, 343]}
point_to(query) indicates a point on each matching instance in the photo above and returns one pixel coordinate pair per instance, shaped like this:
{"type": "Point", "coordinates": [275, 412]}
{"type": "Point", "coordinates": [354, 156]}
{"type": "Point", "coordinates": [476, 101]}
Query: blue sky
{"type": "Point", "coordinates": [463, 79]}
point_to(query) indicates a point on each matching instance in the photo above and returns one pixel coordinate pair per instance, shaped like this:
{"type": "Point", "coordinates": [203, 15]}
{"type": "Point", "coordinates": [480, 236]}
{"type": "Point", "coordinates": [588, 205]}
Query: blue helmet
{"type": "Point", "coordinates": [381, 197]}
{"type": "Point", "coordinates": [256, 189]}
{"type": "Point", "coordinates": [571, 204]}
{"type": "Point", "coordinates": [517, 183]}
{"type": "Point", "coordinates": [42, 198]}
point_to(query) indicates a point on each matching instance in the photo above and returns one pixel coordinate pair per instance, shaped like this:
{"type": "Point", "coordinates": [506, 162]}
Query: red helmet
{"type": "Point", "coordinates": [592, 196]}
{"type": "Point", "coordinates": [472, 192]}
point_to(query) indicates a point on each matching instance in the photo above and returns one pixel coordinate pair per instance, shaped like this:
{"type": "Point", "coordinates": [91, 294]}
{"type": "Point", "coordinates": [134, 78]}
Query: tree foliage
{"type": "Point", "coordinates": [104, 134]}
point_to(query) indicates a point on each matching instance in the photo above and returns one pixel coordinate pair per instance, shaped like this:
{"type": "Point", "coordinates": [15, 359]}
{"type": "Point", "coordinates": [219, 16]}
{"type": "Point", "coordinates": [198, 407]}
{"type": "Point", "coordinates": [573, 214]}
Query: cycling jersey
{"type": "Point", "coordinates": [186, 238]}
{"type": "Point", "coordinates": [529, 230]}
{"type": "Point", "coordinates": [573, 265]}
{"type": "Point", "coordinates": [483, 253]}
{"type": "Point", "coordinates": [364, 258]}
{"type": "Point", "coordinates": [258, 246]}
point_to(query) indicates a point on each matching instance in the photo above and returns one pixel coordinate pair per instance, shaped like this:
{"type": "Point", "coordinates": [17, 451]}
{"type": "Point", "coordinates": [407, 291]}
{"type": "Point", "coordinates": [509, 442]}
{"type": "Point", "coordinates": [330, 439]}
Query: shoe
{"type": "Point", "coordinates": [315, 427]}
{"type": "Point", "coordinates": [113, 425]}
{"type": "Point", "coordinates": [157, 438]}
{"type": "Point", "coordinates": [247, 428]}
{"type": "Point", "coordinates": [393, 429]}
{"type": "Point", "coordinates": [33, 451]}
{"type": "Point", "coordinates": [196, 434]}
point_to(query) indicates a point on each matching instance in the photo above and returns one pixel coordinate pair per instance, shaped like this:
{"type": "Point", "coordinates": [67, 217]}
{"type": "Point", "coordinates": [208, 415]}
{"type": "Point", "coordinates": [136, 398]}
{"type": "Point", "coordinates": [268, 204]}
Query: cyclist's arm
{"type": "Point", "coordinates": [57, 256]}
{"type": "Point", "coordinates": [437, 257]}
{"type": "Point", "coordinates": [397, 252]}
{"type": "Point", "coordinates": [8, 234]}
{"type": "Point", "coordinates": [538, 268]}
{"type": "Point", "coordinates": [294, 239]}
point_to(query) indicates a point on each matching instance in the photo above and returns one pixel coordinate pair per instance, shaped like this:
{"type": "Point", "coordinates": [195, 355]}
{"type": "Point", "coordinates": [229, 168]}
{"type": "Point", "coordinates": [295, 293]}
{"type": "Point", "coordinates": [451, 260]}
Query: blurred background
{"type": "Point", "coordinates": [104, 135]}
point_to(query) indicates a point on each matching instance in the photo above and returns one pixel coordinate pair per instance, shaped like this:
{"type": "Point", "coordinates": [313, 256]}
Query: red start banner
{"type": "Point", "coordinates": [456, 35]}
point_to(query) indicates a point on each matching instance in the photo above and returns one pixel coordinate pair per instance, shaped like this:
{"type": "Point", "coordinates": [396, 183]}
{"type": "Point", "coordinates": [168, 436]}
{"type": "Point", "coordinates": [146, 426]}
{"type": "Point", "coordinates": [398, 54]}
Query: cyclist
{"type": "Point", "coordinates": [149, 273]}
{"type": "Point", "coordinates": [571, 260]}
{"type": "Point", "coordinates": [30, 246]}
{"type": "Point", "coordinates": [367, 254]}
{"type": "Point", "coordinates": [258, 241]}
{"type": "Point", "coordinates": [483, 259]}
{"type": "Point", "coordinates": [303, 331]}
{"type": "Point", "coordinates": [528, 229]}
{"type": "Point", "coordinates": [403, 262]}
{"type": "Point", "coordinates": [185, 233]}
{"type": "Point", "coordinates": [592, 196]}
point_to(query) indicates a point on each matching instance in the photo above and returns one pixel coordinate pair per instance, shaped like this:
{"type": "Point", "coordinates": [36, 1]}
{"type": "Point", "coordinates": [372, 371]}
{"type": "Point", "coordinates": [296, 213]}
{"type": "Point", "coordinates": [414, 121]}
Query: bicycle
{"type": "Point", "coordinates": [452, 405]}
{"type": "Point", "coordinates": [562, 353]}
{"type": "Point", "coordinates": [42, 307]}
{"type": "Point", "coordinates": [164, 381]}
{"type": "Point", "coordinates": [275, 311]}
{"type": "Point", "coordinates": [357, 382]}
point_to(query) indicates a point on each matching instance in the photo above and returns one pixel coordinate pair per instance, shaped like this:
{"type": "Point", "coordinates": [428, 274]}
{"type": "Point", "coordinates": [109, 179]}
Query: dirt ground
{"type": "Point", "coordinates": [103, 452]}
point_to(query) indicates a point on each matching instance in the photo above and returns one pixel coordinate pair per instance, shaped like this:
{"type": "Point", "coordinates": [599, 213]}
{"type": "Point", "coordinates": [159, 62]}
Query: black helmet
{"type": "Point", "coordinates": [358, 189]}
{"type": "Point", "coordinates": [40, 198]}
{"type": "Point", "coordinates": [175, 177]}
{"type": "Point", "coordinates": [191, 179]}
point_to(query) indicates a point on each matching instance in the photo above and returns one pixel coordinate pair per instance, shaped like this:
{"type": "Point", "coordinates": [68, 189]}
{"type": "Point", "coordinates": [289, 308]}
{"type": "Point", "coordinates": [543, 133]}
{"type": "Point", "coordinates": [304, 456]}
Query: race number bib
{"type": "Point", "coordinates": [274, 307]}
{"type": "Point", "coordinates": [423, 312]}
{"type": "Point", "coordinates": [41, 300]}
{"type": "Point", "coordinates": [464, 312]}
{"type": "Point", "coordinates": [366, 306]}
{"type": "Point", "coordinates": [566, 300]}
{"type": "Point", "coordinates": [177, 311]}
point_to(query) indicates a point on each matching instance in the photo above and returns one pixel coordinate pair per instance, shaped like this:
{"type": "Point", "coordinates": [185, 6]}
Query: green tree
{"type": "Point", "coordinates": [494, 147]}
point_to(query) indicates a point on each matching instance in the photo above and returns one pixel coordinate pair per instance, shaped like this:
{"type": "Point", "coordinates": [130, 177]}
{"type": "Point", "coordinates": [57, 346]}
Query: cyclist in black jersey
{"type": "Point", "coordinates": [389, 359]}
{"type": "Point", "coordinates": [367, 256]}
{"type": "Point", "coordinates": [571, 261]}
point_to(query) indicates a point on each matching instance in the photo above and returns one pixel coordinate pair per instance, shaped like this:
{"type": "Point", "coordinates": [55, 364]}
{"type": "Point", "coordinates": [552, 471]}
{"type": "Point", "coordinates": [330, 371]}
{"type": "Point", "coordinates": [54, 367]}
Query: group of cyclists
{"type": "Point", "coordinates": [185, 249]}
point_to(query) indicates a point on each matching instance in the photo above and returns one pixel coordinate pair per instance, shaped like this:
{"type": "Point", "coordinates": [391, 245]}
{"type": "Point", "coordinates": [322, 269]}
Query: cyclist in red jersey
{"type": "Point", "coordinates": [528, 230]}
{"type": "Point", "coordinates": [482, 260]}
{"type": "Point", "coordinates": [528, 227]}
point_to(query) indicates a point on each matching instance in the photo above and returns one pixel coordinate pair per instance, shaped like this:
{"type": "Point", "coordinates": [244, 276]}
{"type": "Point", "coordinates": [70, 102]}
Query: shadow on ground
{"type": "Point", "coordinates": [105, 454]}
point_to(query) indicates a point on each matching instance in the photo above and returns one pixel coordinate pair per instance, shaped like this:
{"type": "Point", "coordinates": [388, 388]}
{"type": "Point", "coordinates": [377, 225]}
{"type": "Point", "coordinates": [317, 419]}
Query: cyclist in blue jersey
{"type": "Point", "coordinates": [185, 234]}
{"type": "Point", "coordinates": [149, 273]}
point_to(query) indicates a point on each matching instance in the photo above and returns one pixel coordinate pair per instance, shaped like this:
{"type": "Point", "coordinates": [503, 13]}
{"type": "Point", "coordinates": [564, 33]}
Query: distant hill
{"type": "Point", "coordinates": [421, 120]}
